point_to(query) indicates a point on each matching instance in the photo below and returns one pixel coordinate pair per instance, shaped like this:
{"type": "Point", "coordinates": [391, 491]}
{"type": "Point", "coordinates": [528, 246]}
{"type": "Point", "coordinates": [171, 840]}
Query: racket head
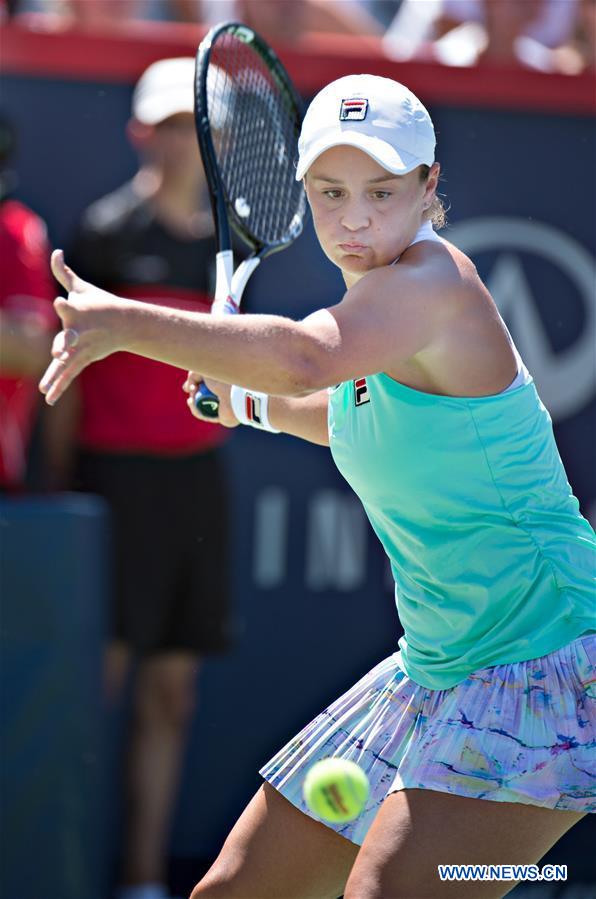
{"type": "Point", "coordinates": [248, 117]}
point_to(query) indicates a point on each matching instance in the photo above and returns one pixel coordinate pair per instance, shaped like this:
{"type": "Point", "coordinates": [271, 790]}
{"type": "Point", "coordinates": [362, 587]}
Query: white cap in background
{"type": "Point", "coordinates": [377, 115]}
{"type": "Point", "coordinates": [164, 89]}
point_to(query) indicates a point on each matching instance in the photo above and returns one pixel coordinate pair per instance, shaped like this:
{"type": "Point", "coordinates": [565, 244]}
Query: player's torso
{"type": "Point", "coordinates": [421, 460]}
{"type": "Point", "coordinates": [471, 503]}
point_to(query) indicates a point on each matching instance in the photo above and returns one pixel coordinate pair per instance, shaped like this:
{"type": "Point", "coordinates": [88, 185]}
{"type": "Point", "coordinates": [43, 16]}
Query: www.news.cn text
{"type": "Point", "coordinates": [502, 872]}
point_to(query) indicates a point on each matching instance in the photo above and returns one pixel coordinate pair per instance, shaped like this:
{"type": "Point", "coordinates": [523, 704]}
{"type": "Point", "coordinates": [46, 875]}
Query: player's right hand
{"type": "Point", "coordinates": [222, 391]}
{"type": "Point", "coordinates": [86, 335]}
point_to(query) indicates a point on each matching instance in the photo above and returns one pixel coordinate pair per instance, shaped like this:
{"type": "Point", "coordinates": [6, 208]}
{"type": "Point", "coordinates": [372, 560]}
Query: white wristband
{"type": "Point", "coordinates": [251, 408]}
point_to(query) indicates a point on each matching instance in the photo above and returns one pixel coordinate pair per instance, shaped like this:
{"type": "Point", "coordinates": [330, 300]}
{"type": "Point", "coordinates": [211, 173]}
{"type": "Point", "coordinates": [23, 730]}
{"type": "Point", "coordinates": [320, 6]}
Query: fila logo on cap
{"type": "Point", "coordinates": [361, 394]}
{"type": "Point", "coordinates": [354, 109]}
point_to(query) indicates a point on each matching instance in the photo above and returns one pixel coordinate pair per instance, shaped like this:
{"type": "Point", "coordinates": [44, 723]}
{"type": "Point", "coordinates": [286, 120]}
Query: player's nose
{"type": "Point", "coordinates": [355, 217]}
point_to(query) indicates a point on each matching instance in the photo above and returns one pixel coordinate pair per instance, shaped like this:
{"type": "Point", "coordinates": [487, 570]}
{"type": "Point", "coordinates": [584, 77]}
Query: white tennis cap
{"type": "Point", "coordinates": [164, 89]}
{"type": "Point", "coordinates": [378, 115]}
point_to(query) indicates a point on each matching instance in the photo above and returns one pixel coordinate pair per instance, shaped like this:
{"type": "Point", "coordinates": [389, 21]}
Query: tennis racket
{"type": "Point", "coordinates": [248, 118]}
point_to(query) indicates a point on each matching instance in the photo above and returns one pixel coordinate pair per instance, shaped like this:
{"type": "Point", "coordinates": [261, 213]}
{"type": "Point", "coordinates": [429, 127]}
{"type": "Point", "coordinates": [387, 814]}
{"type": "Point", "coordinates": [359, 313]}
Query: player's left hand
{"type": "Point", "coordinates": [87, 334]}
{"type": "Point", "coordinates": [226, 417]}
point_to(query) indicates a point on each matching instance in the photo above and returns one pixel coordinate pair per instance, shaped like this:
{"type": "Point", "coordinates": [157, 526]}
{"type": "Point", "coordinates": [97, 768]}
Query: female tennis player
{"type": "Point", "coordinates": [478, 735]}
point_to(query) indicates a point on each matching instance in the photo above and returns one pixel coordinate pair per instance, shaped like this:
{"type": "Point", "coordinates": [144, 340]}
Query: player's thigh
{"type": "Point", "coordinates": [417, 830]}
{"type": "Point", "coordinates": [275, 851]}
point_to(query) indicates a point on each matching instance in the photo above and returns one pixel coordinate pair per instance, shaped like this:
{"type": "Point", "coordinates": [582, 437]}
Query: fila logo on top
{"type": "Point", "coordinates": [361, 394]}
{"type": "Point", "coordinates": [353, 109]}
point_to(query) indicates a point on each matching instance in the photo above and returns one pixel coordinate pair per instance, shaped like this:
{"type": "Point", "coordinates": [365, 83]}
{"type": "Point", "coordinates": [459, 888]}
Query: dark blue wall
{"type": "Point", "coordinates": [54, 582]}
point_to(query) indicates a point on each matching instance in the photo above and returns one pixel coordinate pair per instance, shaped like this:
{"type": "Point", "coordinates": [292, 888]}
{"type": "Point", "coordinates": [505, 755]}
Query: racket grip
{"type": "Point", "coordinates": [206, 402]}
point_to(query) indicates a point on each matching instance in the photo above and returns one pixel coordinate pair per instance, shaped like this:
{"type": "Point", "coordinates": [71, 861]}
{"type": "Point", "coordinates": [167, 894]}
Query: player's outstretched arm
{"type": "Point", "coordinates": [304, 417]}
{"type": "Point", "coordinates": [386, 317]}
{"type": "Point", "coordinates": [265, 352]}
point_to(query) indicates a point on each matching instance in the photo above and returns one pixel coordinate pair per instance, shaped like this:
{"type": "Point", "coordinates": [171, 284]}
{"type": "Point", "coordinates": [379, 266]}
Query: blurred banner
{"type": "Point", "coordinates": [313, 597]}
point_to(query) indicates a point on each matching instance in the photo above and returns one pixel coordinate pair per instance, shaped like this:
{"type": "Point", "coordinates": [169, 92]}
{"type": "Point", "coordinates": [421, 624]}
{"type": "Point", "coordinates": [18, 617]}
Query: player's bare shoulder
{"type": "Point", "coordinates": [432, 277]}
{"type": "Point", "coordinates": [439, 263]}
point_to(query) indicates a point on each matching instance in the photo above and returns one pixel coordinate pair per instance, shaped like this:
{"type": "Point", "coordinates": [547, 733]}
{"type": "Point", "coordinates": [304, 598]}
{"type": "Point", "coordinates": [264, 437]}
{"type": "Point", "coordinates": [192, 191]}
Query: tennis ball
{"type": "Point", "coordinates": [336, 790]}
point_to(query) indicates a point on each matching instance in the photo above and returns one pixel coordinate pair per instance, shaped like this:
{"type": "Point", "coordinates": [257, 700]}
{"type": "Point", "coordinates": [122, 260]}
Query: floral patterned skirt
{"type": "Point", "coordinates": [523, 732]}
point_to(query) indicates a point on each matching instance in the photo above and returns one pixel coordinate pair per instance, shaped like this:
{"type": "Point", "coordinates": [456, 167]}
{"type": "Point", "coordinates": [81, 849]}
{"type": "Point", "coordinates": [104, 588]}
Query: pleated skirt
{"type": "Point", "coordinates": [522, 732]}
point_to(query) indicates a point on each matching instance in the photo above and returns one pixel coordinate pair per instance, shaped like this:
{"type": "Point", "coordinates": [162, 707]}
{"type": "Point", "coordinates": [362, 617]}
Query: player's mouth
{"type": "Point", "coordinates": [353, 247]}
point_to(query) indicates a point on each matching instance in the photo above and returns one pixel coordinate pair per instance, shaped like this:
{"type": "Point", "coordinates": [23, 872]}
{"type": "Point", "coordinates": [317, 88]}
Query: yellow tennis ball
{"type": "Point", "coordinates": [336, 790]}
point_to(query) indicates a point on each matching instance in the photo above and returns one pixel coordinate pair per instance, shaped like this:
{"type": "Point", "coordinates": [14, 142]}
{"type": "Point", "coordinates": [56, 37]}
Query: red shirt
{"type": "Point", "coordinates": [133, 404]}
{"type": "Point", "coordinates": [26, 292]}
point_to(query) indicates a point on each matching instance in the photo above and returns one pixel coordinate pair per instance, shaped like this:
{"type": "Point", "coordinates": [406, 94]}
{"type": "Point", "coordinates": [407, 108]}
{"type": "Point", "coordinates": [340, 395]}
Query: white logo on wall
{"type": "Point", "coordinates": [566, 380]}
{"type": "Point", "coordinates": [337, 533]}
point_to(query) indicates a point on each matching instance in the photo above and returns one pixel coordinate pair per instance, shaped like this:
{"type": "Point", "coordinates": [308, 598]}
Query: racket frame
{"type": "Point", "coordinates": [230, 284]}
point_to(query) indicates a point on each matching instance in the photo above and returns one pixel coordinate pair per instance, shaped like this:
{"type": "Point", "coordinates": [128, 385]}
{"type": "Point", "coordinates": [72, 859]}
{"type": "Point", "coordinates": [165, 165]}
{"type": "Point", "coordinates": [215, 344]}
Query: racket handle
{"type": "Point", "coordinates": [228, 293]}
{"type": "Point", "coordinates": [206, 402]}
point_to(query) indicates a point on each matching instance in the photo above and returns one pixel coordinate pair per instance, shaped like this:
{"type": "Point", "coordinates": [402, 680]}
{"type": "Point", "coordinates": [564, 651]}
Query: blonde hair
{"type": "Point", "coordinates": [436, 212]}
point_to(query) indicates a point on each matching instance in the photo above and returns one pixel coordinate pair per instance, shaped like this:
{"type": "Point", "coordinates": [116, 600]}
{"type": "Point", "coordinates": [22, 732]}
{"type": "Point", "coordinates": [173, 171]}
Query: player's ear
{"type": "Point", "coordinates": [434, 174]}
{"type": "Point", "coordinates": [431, 184]}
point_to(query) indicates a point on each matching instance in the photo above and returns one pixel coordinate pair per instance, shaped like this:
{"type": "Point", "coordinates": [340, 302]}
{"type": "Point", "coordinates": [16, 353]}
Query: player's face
{"type": "Point", "coordinates": [364, 216]}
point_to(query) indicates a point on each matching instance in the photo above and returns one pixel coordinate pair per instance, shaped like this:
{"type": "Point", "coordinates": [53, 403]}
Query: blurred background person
{"type": "Point", "coordinates": [286, 21]}
{"type": "Point", "coordinates": [578, 53]}
{"type": "Point", "coordinates": [466, 32]}
{"type": "Point", "coordinates": [283, 20]}
{"type": "Point", "coordinates": [99, 14]}
{"type": "Point", "coordinates": [157, 466]}
{"type": "Point", "coordinates": [88, 14]}
{"type": "Point", "coordinates": [27, 320]}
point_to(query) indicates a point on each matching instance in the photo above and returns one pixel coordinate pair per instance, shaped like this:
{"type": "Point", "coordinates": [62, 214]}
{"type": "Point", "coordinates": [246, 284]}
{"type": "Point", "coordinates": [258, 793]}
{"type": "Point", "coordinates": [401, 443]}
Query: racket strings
{"type": "Point", "coordinates": [255, 126]}
{"type": "Point", "coordinates": [256, 195]}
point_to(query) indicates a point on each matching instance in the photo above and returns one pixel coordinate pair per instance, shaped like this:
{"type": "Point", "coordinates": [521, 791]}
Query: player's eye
{"type": "Point", "coordinates": [381, 194]}
{"type": "Point", "coordinates": [333, 194]}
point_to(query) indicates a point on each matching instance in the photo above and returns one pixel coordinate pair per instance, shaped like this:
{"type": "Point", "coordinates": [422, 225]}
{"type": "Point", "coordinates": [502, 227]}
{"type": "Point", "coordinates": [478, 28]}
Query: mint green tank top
{"type": "Point", "coordinates": [492, 561]}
